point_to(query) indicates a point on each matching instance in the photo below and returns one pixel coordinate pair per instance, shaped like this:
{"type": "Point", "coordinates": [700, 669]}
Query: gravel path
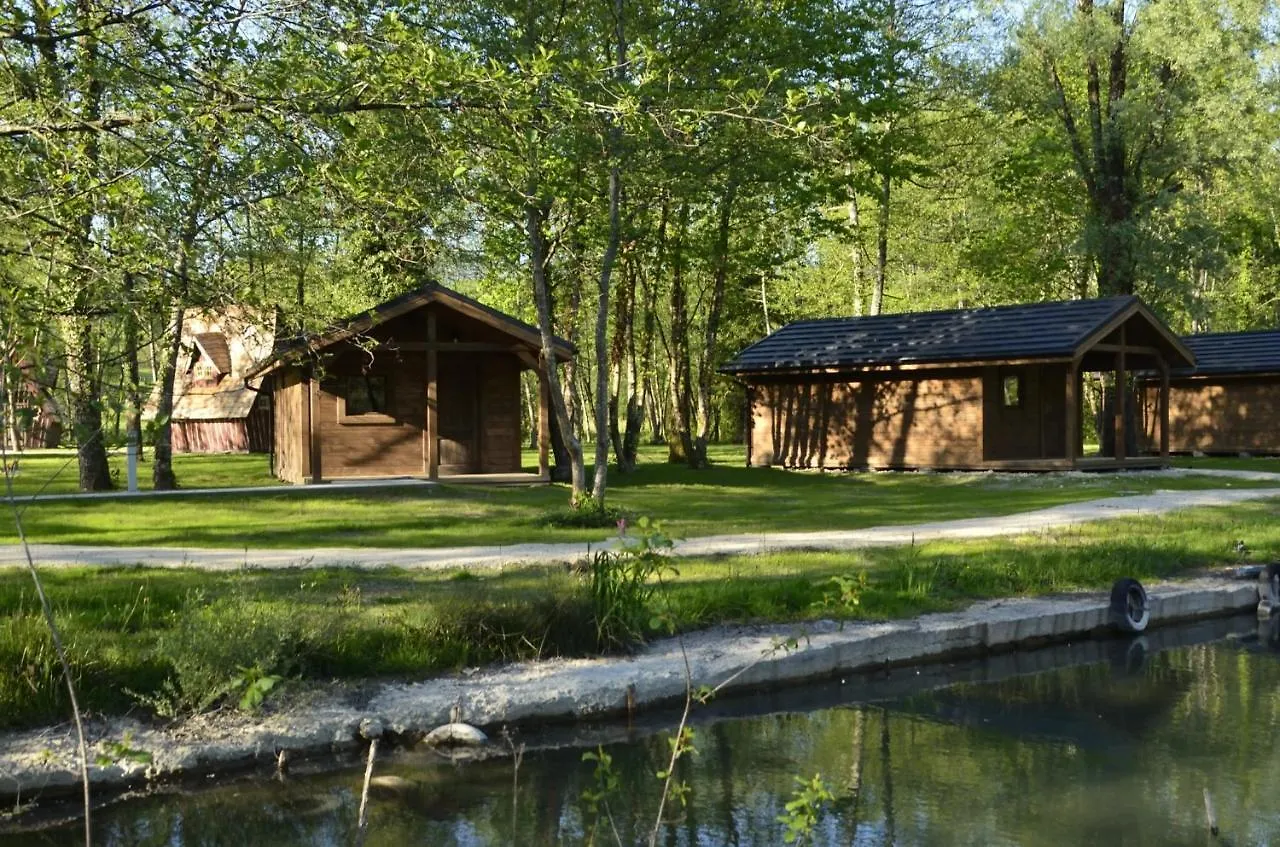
{"type": "Point", "coordinates": [446, 558]}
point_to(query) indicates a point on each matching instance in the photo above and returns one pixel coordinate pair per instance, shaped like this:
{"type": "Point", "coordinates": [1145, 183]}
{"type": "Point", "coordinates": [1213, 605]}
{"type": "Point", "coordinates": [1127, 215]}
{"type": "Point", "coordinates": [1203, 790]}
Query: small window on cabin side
{"type": "Point", "coordinates": [365, 395]}
{"type": "Point", "coordinates": [1012, 391]}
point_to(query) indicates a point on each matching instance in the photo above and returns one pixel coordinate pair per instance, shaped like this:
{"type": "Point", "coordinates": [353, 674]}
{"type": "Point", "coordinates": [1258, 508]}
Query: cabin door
{"type": "Point", "coordinates": [458, 398]}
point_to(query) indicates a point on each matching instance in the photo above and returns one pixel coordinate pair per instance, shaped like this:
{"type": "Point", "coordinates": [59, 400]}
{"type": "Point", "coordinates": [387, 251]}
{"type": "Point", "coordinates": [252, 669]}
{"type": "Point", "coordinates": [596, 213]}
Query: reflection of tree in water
{"type": "Point", "coordinates": [1097, 707]}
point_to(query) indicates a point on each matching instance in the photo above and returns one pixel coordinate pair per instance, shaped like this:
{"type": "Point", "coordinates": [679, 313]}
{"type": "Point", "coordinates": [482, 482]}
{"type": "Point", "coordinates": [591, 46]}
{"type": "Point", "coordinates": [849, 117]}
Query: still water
{"type": "Point", "coordinates": [1095, 743]}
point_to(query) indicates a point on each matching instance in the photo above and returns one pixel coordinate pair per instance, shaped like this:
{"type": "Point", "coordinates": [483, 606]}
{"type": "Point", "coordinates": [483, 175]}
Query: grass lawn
{"type": "Point", "coordinates": [55, 471]}
{"type": "Point", "coordinates": [727, 498]}
{"type": "Point", "coordinates": [181, 638]}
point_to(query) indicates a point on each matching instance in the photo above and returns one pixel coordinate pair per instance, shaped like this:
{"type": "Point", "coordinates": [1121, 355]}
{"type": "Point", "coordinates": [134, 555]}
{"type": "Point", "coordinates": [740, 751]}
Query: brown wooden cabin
{"type": "Point", "coordinates": [993, 388]}
{"type": "Point", "coordinates": [36, 418]}
{"type": "Point", "coordinates": [216, 408]}
{"type": "Point", "coordinates": [1228, 403]}
{"type": "Point", "coordinates": [426, 384]}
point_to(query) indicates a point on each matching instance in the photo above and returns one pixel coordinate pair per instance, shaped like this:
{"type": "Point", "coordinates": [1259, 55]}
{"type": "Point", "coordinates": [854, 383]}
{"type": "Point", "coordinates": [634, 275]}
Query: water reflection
{"type": "Point", "coordinates": [1114, 752]}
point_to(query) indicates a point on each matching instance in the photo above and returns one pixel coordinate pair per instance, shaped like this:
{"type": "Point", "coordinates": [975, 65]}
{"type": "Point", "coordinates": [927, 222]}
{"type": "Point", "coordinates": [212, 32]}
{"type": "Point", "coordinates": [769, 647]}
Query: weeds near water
{"type": "Point", "coordinates": [804, 809]}
{"type": "Point", "coordinates": [52, 624]}
{"type": "Point", "coordinates": [623, 584]}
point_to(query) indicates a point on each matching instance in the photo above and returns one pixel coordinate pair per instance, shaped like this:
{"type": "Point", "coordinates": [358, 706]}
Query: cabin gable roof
{"type": "Point", "coordinates": [1233, 353]}
{"type": "Point", "coordinates": [1056, 331]}
{"type": "Point", "coordinates": [410, 301]}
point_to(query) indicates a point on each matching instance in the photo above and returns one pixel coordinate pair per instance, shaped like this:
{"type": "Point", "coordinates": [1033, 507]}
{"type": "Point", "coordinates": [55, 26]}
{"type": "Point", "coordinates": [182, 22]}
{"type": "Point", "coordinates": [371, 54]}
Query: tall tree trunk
{"type": "Point", "coordinates": [86, 410]}
{"type": "Point", "coordinates": [882, 243]}
{"type": "Point", "coordinates": [680, 440]}
{"type": "Point", "coordinates": [706, 373]}
{"type": "Point", "coordinates": [617, 356]}
{"type": "Point", "coordinates": [133, 377]}
{"type": "Point", "coordinates": [855, 261]}
{"type": "Point", "coordinates": [536, 212]}
{"type": "Point", "coordinates": [162, 476]}
{"type": "Point", "coordinates": [635, 409]}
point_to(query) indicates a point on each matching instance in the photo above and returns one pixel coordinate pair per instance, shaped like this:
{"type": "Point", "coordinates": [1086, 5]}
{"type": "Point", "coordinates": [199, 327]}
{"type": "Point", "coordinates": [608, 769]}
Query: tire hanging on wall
{"type": "Point", "coordinates": [1129, 612]}
{"type": "Point", "coordinates": [1268, 590]}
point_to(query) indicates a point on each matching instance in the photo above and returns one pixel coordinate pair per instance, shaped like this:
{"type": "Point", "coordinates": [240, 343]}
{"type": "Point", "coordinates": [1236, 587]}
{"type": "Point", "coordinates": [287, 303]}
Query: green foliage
{"type": "Point", "coordinates": [623, 585]}
{"type": "Point", "coordinates": [605, 785]}
{"type": "Point", "coordinates": [123, 750]}
{"type": "Point", "coordinates": [589, 514]}
{"type": "Point", "coordinates": [804, 809]}
{"type": "Point", "coordinates": [236, 645]}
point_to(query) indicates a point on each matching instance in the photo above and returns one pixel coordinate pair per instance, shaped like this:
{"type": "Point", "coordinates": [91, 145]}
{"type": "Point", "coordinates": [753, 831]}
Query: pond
{"type": "Point", "coordinates": [1094, 743]}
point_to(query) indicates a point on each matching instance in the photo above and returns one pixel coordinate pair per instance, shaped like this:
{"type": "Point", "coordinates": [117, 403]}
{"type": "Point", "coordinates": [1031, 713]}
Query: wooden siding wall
{"type": "Point", "coordinates": [1037, 427]}
{"type": "Point", "coordinates": [919, 421]}
{"type": "Point", "coordinates": [292, 462]}
{"type": "Point", "coordinates": [1238, 415]}
{"type": "Point", "coordinates": [211, 436]}
{"type": "Point", "coordinates": [499, 389]}
{"type": "Point", "coordinates": [351, 448]}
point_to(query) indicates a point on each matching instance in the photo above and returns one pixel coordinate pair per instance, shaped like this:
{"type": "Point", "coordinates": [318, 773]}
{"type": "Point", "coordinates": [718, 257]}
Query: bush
{"type": "Point", "coordinates": [587, 515]}
{"type": "Point", "coordinates": [218, 648]}
{"type": "Point", "coordinates": [622, 586]}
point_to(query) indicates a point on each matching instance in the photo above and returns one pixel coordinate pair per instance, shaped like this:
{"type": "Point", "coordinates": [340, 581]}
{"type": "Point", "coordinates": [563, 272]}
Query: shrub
{"type": "Point", "coordinates": [622, 585]}
{"type": "Point", "coordinates": [218, 648]}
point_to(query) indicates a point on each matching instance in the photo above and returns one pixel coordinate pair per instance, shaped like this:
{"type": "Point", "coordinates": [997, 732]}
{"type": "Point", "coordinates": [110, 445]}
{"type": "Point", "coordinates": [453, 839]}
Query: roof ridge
{"type": "Point", "coordinates": [960, 310]}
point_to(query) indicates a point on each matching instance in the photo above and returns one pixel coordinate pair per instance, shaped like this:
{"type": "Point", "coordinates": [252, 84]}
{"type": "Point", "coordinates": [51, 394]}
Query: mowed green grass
{"type": "Point", "coordinates": [138, 635]}
{"type": "Point", "coordinates": [727, 498]}
{"type": "Point", "coordinates": [55, 471]}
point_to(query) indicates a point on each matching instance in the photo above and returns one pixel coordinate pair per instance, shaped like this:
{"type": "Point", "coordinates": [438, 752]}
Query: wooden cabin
{"type": "Point", "coordinates": [426, 384]}
{"type": "Point", "coordinates": [216, 407]}
{"type": "Point", "coordinates": [992, 388]}
{"type": "Point", "coordinates": [1229, 402]}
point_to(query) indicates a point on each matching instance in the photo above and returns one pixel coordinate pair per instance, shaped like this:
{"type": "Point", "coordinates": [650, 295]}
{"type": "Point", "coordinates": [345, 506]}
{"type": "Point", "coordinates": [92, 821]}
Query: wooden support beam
{"type": "Point", "coordinates": [1137, 350]}
{"type": "Point", "coordinates": [544, 425]}
{"type": "Point", "coordinates": [315, 473]}
{"type": "Point", "coordinates": [433, 412]}
{"type": "Point", "coordinates": [1073, 412]}
{"type": "Point", "coordinates": [450, 346]}
{"type": "Point", "coordinates": [1122, 394]}
{"type": "Point", "coordinates": [1164, 409]}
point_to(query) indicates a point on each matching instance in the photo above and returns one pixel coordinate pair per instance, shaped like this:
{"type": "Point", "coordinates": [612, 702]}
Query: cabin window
{"type": "Point", "coordinates": [1012, 391]}
{"type": "Point", "coordinates": [365, 396]}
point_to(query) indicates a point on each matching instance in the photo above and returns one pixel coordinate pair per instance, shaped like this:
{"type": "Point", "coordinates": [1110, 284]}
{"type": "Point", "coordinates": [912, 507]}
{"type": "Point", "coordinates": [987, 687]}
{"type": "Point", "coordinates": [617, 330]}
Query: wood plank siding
{"type": "Point", "coordinates": [291, 461]}
{"type": "Point", "coordinates": [942, 419]}
{"type": "Point", "coordinates": [1216, 415]}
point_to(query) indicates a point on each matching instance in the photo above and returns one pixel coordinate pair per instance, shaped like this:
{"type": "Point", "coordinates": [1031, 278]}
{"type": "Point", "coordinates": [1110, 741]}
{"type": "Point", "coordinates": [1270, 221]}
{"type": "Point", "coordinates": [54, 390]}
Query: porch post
{"type": "Point", "coordinates": [1164, 409]}
{"type": "Point", "coordinates": [313, 427]}
{"type": "Point", "coordinates": [1121, 401]}
{"type": "Point", "coordinates": [1073, 412]}
{"type": "Point", "coordinates": [544, 421]}
{"type": "Point", "coordinates": [433, 413]}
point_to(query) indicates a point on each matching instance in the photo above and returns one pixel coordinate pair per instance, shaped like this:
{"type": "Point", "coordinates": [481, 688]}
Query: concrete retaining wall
{"type": "Point", "coordinates": [566, 690]}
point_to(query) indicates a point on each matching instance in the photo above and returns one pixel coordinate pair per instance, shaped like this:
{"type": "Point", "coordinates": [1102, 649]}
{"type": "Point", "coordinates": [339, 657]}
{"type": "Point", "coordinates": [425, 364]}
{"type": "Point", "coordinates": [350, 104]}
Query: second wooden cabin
{"type": "Point", "coordinates": [1229, 402]}
{"type": "Point", "coordinates": [992, 388]}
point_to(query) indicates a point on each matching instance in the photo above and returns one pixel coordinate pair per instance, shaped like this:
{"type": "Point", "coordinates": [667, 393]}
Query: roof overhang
{"type": "Point", "coordinates": [1177, 354]}
{"type": "Point", "coordinates": [357, 325]}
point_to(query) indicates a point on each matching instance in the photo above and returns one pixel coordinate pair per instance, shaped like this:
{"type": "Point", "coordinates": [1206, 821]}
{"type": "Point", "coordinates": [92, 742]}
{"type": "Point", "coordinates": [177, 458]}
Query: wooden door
{"type": "Point", "coordinates": [457, 398]}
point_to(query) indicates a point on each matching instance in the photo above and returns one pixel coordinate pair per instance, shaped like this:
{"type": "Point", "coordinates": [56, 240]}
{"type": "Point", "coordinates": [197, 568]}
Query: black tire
{"type": "Point", "coordinates": [1269, 586]}
{"type": "Point", "coordinates": [1129, 612]}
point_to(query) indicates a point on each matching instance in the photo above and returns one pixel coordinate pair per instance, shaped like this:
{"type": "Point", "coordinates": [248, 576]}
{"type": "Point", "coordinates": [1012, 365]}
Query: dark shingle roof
{"type": "Point", "coordinates": [1233, 353]}
{"type": "Point", "coordinates": [1031, 331]}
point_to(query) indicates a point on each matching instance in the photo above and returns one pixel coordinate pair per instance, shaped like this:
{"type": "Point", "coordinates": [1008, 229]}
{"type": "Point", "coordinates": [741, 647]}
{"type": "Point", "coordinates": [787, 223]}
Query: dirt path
{"type": "Point", "coordinates": [444, 558]}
